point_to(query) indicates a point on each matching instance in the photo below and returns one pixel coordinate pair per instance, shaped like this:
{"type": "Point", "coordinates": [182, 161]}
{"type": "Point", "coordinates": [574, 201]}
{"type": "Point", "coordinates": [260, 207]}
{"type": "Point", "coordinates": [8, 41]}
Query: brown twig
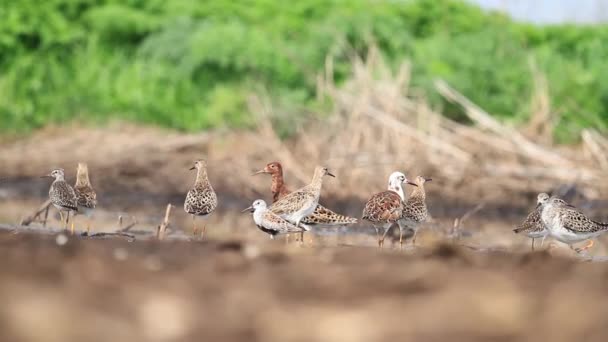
{"type": "Point", "coordinates": [455, 233]}
{"type": "Point", "coordinates": [32, 218]}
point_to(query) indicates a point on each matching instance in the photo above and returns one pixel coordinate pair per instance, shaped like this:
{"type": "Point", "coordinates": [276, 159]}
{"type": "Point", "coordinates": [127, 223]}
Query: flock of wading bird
{"type": "Point", "coordinates": [299, 211]}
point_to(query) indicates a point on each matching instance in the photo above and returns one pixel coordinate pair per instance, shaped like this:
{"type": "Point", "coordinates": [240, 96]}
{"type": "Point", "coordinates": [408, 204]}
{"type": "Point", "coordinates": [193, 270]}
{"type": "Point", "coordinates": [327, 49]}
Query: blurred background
{"type": "Point", "coordinates": [495, 100]}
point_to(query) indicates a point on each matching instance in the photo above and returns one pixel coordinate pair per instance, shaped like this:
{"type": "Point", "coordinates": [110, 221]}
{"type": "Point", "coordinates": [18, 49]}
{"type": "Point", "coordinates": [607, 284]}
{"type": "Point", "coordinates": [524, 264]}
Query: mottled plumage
{"type": "Point", "coordinates": [201, 200]}
{"type": "Point", "coordinates": [270, 223]}
{"type": "Point", "coordinates": [533, 226]}
{"type": "Point", "coordinates": [415, 211]}
{"type": "Point", "coordinates": [385, 208]}
{"type": "Point", "coordinates": [296, 205]}
{"type": "Point", "coordinates": [321, 216]}
{"type": "Point", "coordinates": [85, 194]}
{"type": "Point", "coordinates": [567, 224]}
{"type": "Point", "coordinates": [62, 195]}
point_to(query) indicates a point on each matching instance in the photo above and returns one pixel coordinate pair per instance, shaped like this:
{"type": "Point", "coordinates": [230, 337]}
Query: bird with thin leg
{"type": "Point", "coordinates": [302, 202]}
{"type": "Point", "coordinates": [62, 196]}
{"type": "Point", "coordinates": [532, 226]}
{"type": "Point", "coordinates": [569, 225]}
{"type": "Point", "coordinates": [201, 200]}
{"type": "Point", "coordinates": [415, 211]}
{"type": "Point", "coordinates": [385, 208]}
{"type": "Point", "coordinates": [321, 217]}
{"type": "Point", "coordinates": [85, 194]}
{"type": "Point", "coordinates": [269, 222]}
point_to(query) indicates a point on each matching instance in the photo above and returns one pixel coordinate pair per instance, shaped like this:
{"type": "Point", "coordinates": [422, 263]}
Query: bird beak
{"type": "Point", "coordinates": [258, 172]}
{"type": "Point", "coordinates": [411, 183]}
{"type": "Point", "coordinates": [329, 174]}
{"type": "Point", "coordinates": [192, 168]}
{"type": "Point", "coordinates": [248, 209]}
{"type": "Point", "coordinates": [428, 179]}
{"type": "Point", "coordinates": [46, 176]}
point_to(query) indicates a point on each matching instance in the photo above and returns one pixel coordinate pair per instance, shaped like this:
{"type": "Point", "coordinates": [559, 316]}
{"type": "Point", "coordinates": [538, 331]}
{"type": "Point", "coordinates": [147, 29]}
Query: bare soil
{"type": "Point", "coordinates": [234, 290]}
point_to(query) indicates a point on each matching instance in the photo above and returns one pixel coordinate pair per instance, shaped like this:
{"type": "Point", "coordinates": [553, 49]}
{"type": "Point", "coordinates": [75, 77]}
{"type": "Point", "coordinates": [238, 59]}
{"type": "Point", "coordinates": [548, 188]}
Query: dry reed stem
{"type": "Point", "coordinates": [485, 120]}
{"type": "Point", "coordinates": [26, 221]}
{"type": "Point", "coordinates": [162, 229]}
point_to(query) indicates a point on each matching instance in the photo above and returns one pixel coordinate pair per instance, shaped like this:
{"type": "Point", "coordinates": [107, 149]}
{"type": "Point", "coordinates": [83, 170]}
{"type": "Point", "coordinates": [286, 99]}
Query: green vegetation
{"type": "Point", "coordinates": [190, 64]}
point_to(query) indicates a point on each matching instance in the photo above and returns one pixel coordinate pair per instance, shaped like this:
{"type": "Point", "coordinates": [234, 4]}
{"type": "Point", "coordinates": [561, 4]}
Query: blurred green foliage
{"type": "Point", "coordinates": [189, 64]}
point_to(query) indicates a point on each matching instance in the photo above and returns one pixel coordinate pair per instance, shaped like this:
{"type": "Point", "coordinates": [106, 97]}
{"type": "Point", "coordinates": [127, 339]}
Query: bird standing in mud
{"type": "Point", "coordinates": [415, 211]}
{"type": "Point", "coordinates": [201, 200]}
{"type": "Point", "coordinates": [297, 205]}
{"type": "Point", "coordinates": [269, 222]}
{"type": "Point", "coordinates": [85, 194]}
{"type": "Point", "coordinates": [62, 196]}
{"type": "Point", "coordinates": [321, 217]}
{"type": "Point", "coordinates": [568, 225]}
{"type": "Point", "coordinates": [386, 208]}
{"type": "Point", "coordinates": [533, 227]}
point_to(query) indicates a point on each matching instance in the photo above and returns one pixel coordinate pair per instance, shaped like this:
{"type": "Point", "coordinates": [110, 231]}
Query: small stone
{"type": "Point", "coordinates": [61, 239]}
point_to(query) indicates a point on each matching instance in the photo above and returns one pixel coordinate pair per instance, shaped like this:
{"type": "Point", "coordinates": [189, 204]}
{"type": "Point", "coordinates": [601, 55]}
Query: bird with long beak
{"type": "Point", "coordinates": [62, 196]}
{"type": "Point", "coordinates": [321, 217]}
{"type": "Point", "coordinates": [301, 203]}
{"type": "Point", "coordinates": [269, 222]}
{"type": "Point", "coordinates": [201, 200]}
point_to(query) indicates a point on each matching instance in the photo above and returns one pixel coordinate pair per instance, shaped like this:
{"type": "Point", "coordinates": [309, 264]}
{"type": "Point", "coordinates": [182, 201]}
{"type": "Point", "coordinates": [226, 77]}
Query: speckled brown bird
{"type": "Point", "coordinates": [85, 194]}
{"type": "Point", "coordinates": [568, 225]}
{"type": "Point", "coordinates": [297, 205]}
{"type": "Point", "coordinates": [385, 208]}
{"type": "Point", "coordinates": [533, 226]}
{"type": "Point", "coordinates": [269, 222]}
{"type": "Point", "coordinates": [415, 211]}
{"type": "Point", "coordinates": [321, 217]}
{"type": "Point", "coordinates": [62, 195]}
{"type": "Point", "coordinates": [201, 200]}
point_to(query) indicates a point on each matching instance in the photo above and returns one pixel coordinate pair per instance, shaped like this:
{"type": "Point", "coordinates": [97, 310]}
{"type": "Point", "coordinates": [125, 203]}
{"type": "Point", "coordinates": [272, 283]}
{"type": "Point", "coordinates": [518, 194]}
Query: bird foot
{"type": "Point", "coordinates": [585, 248]}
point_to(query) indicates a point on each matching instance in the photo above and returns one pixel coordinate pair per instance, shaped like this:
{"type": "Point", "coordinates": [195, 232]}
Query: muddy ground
{"type": "Point", "coordinates": [235, 290]}
{"type": "Point", "coordinates": [477, 283]}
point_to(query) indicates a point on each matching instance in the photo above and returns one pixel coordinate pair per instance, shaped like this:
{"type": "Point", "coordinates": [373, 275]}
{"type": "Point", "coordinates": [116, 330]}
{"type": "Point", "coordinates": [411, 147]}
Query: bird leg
{"type": "Point", "coordinates": [194, 229]}
{"type": "Point", "coordinates": [533, 244]}
{"type": "Point", "coordinates": [383, 236]}
{"type": "Point", "coordinates": [414, 238]}
{"type": "Point", "coordinates": [378, 236]}
{"type": "Point", "coordinates": [203, 231]}
{"type": "Point", "coordinates": [586, 247]}
{"type": "Point", "coordinates": [61, 216]}
{"type": "Point", "coordinates": [301, 232]}
{"type": "Point", "coordinates": [542, 242]}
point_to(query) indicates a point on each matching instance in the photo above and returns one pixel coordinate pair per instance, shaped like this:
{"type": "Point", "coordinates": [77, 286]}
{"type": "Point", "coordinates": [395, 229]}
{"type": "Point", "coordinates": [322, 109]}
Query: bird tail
{"type": "Point", "coordinates": [518, 230]}
{"type": "Point", "coordinates": [324, 216]}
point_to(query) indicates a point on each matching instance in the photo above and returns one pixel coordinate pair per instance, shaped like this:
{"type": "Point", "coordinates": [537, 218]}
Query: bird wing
{"type": "Point", "coordinates": [292, 202]}
{"type": "Point", "coordinates": [63, 195]}
{"type": "Point", "coordinates": [576, 221]}
{"type": "Point", "coordinates": [532, 223]}
{"type": "Point", "coordinates": [385, 206]}
{"type": "Point", "coordinates": [274, 222]}
{"type": "Point", "coordinates": [324, 216]}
